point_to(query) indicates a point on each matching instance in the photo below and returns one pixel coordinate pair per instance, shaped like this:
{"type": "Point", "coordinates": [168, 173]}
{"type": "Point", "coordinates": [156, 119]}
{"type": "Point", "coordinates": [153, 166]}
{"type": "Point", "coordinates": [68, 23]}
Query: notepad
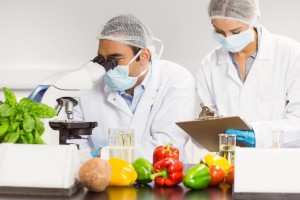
{"type": "Point", "coordinates": [206, 131]}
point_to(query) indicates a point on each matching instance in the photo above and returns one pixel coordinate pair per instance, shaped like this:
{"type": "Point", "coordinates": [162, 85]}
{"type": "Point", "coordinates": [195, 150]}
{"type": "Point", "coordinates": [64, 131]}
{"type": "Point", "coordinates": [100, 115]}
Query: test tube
{"type": "Point", "coordinates": [122, 144]}
{"type": "Point", "coordinates": [114, 143]}
{"type": "Point", "coordinates": [227, 144]}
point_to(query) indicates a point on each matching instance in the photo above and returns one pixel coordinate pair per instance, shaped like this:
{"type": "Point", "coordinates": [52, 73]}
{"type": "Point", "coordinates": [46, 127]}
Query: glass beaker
{"type": "Point", "coordinates": [227, 144]}
{"type": "Point", "coordinates": [122, 144]}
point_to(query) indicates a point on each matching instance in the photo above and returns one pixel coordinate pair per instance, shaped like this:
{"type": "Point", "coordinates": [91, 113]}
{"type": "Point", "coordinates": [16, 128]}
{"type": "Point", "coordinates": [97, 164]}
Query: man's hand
{"type": "Point", "coordinates": [246, 137]}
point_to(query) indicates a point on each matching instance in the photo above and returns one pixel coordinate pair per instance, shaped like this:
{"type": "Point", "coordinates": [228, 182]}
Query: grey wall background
{"type": "Point", "coordinates": [41, 37]}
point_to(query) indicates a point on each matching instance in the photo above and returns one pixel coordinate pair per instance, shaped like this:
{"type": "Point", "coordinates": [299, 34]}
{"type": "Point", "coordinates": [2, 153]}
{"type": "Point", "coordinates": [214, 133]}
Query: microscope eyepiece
{"type": "Point", "coordinates": [109, 63]}
{"type": "Point", "coordinates": [99, 60]}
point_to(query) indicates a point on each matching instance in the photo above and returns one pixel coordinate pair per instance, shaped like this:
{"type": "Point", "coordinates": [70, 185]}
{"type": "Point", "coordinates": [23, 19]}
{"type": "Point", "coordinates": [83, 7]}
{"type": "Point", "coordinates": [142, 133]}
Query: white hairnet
{"type": "Point", "coordinates": [245, 11]}
{"type": "Point", "coordinates": [127, 29]}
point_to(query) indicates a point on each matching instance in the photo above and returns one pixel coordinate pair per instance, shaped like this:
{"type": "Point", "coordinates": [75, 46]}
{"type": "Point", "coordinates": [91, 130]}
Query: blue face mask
{"type": "Point", "coordinates": [119, 79]}
{"type": "Point", "coordinates": [235, 43]}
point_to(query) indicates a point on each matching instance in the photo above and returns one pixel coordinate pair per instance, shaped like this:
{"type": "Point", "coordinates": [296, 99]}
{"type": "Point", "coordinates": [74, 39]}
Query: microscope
{"type": "Point", "coordinates": [63, 90]}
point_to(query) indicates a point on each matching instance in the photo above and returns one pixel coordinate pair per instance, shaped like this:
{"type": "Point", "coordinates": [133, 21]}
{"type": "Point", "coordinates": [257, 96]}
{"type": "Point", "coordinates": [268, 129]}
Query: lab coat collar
{"type": "Point", "coordinates": [107, 89]}
{"type": "Point", "coordinates": [118, 101]}
{"type": "Point", "coordinates": [151, 90]}
{"type": "Point", "coordinates": [223, 56]}
{"type": "Point", "coordinates": [225, 60]}
{"type": "Point", "coordinates": [147, 77]}
{"type": "Point", "coordinates": [262, 54]}
{"type": "Point", "coordinates": [265, 44]}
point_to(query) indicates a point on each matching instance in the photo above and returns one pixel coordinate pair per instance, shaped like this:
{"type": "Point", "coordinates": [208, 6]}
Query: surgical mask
{"type": "Point", "coordinates": [235, 43]}
{"type": "Point", "coordinates": [119, 79]}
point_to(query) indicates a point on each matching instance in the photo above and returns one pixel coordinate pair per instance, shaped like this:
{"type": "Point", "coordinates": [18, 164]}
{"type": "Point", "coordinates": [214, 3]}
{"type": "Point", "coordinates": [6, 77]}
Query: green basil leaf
{"type": "Point", "coordinates": [24, 104]}
{"type": "Point", "coordinates": [28, 123]}
{"type": "Point", "coordinates": [14, 126]}
{"type": "Point", "coordinates": [6, 137]}
{"type": "Point", "coordinates": [29, 137]}
{"type": "Point", "coordinates": [19, 117]}
{"type": "Point", "coordinates": [23, 139]}
{"type": "Point", "coordinates": [39, 126]}
{"type": "Point", "coordinates": [10, 97]}
{"type": "Point", "coordinates": [13, 137]}
{"type": "Point", "coordinates": [38, 139]}
{"type": "Point", "coordinates": [6, 110]}
{"type": "Point", "coordinates": [4, 120]}
{"type": "Point", "coordinates": [3, 130]}
{"type": "Point", "coordinates": [41, 110]}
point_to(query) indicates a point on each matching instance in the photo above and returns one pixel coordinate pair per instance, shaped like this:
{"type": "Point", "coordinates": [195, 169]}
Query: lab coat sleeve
{"type": "Point", "coordinates": [178, 104]}
{"type": "Point", "coordinates": [290, 124]}
{"type": "Point", "coordinates": [204, 93]}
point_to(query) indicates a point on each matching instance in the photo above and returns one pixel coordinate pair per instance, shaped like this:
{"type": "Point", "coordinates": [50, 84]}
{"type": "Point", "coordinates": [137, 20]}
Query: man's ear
{"type": "Point", "coordinates": [145, 56]}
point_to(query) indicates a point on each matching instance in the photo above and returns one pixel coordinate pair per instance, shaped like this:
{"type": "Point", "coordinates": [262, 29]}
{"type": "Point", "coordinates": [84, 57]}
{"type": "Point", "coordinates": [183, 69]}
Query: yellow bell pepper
{"type": "Point", "coordinates": [123, 173]}
{"type": "Point", "coordinates": [211, 159]}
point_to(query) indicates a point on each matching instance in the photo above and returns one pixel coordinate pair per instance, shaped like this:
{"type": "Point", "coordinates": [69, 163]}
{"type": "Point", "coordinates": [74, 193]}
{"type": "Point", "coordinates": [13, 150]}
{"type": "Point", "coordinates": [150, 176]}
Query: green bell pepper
{"type": "Point", "coordinates": [197, 177]}
{"type": "Point", "coordinates": [143, 169]}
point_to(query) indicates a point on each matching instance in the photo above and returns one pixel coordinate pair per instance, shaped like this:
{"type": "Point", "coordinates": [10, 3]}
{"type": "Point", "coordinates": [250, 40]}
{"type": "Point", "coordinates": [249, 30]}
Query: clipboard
{"type": "Point", "coordinates": [206, 131]}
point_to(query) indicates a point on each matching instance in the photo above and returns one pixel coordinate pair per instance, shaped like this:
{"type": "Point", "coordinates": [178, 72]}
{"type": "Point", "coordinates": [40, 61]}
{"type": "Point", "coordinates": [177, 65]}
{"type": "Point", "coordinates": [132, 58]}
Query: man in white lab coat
{"type": "Point", "coordinates": [142, 93]}
{"type": "Point", "coordinates": [254, 74]}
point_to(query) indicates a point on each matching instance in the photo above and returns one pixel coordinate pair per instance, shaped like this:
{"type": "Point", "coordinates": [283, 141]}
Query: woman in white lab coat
{"type": "Point", "coordinates": [142, 93]}
{"type": "Point", "coordinates": [254, 74]}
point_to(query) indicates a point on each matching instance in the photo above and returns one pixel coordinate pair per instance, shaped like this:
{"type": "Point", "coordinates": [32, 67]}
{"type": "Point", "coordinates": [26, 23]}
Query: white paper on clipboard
{"type": "Point", "coordinates": [206, 131]}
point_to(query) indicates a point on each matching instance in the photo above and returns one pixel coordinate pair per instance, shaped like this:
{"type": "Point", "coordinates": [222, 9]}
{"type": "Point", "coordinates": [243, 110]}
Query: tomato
{"type": "Point", "coordinates": [217, 175]}
{"type": "Point", "coordinates": [230, 176]}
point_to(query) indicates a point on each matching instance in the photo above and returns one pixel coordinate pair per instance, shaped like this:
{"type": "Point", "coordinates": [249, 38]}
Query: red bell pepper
{"type": "Point", "coordinates": [162, 152]}
{"type": "Point", "coordinates": [168, 172]}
